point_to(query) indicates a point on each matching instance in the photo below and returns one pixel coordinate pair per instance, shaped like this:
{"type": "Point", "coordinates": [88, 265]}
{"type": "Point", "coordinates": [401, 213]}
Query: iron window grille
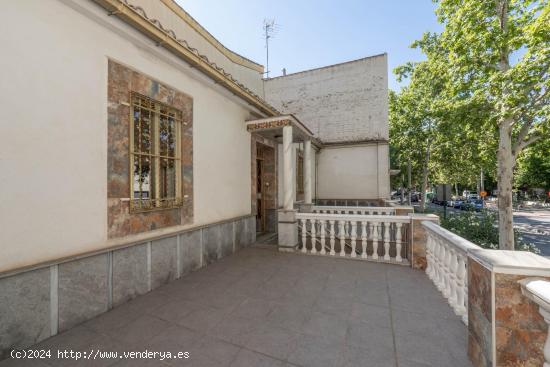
{"type": "Point", "coordinates": [155, 155]}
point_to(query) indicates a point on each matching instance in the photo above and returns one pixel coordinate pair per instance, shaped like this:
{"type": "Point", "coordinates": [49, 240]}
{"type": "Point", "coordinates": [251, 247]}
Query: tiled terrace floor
{"type": "Point", "coordinates": [264, 308]}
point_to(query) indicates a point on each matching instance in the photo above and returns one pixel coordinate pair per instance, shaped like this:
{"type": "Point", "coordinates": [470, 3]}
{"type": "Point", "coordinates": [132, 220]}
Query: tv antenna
{"type": "Point", "coordinates": [270, 30]}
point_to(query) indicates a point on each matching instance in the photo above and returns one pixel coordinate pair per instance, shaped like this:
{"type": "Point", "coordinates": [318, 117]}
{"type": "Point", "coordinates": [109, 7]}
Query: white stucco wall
{"type": "Point", "coordinates": [53, 133]}
{"type": "Point", "coordinates": [339, 103]}
{"type": "Point", "coordinates": [353, 172]}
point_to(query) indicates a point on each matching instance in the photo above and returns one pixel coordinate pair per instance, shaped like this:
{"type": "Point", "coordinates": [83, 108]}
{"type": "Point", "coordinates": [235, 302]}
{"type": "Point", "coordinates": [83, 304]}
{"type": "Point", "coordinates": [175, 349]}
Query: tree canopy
{"type": "Point", "coordinates": [480, 97]}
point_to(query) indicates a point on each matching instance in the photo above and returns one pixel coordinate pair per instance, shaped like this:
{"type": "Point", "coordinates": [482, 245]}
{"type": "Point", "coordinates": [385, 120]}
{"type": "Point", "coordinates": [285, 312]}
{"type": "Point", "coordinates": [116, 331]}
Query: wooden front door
{"type": "Point", "coordinates": [260, 197]}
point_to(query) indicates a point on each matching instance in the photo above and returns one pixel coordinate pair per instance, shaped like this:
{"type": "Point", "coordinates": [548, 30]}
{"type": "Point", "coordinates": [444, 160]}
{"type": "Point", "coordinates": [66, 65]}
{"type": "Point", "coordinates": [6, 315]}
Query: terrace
{"type": "Point", "coordinates": [363, 286]}
{"type": "Point", "coordinates": [261, 307]}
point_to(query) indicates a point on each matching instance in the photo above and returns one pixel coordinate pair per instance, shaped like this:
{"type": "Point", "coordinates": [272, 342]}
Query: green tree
{"type": "Point", "coordinates": [497, 53]}
{"type": "Point", "coordinates": [533, 166]}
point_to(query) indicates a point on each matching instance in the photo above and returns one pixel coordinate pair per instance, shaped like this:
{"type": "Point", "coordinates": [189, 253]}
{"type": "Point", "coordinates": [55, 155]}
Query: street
{"type": "Point", "coordinates": [533, 224]}
{"type": "Point", "coordinates": [535, 227]}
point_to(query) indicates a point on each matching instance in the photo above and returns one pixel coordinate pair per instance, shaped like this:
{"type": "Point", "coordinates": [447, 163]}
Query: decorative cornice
{"type": "Point", "coordinates": [167, 38]}
{"type": "Point", "coordinates": [269, 124]}
{"type": "Point", "coordinates": [231, 55]}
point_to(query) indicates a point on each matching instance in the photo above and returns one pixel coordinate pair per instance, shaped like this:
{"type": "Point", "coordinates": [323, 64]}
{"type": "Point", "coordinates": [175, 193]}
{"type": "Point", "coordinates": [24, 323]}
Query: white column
{"type": "Point", "coordinates": [288, 187]}
{"type": "Point", "coordinates": [307, 171]}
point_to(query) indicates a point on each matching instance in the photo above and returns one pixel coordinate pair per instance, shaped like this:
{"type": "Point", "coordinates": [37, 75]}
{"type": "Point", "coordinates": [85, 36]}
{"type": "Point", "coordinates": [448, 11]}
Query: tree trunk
{"type": "Point", "coordinates": [402, 189]}
{"type": "Point", "coordinates": [505, 179]}
{"type": "Point", "coordinates": [425, 179]}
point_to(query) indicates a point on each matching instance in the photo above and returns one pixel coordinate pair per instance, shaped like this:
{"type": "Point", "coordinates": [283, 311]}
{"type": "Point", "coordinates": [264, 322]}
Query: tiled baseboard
{"type": "Point", "coordinates": [37, 304]}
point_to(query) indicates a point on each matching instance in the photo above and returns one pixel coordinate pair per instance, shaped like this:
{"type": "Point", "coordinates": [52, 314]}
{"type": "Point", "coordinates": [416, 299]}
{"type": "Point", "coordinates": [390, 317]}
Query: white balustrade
{"type": "Point", "coordinates": [361, 210]}
{"type": "Point", "coordinates": [358, 236]}
{"type": "Point", "coordinates": [447, 258]}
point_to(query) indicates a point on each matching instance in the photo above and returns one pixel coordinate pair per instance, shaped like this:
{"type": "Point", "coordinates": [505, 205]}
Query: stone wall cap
{"type": "Point", "coordinates": [458, 242]}
{"type": "Point", "coordinates": [512, 262]}
{"type": "Point", "coordinates": [538, 290]}
{"type": "Point", "coordinates": [422, 216]}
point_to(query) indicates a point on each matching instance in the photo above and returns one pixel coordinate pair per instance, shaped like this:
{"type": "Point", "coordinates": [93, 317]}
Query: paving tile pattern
{"type": "Point", "coordinates": [262, 308]}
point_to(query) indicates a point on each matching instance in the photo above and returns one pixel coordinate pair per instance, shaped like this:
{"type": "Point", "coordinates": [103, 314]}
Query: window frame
{"type": "Point", "coordinates": [155, 201]}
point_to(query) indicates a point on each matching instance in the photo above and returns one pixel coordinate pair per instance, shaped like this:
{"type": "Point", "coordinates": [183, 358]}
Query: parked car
{"type": "Point", "coordinates": [478, 205]}
{"type": "Point", "coordinates": [458, 204]}
{"type": "Point", "coordinates": [473, 197]}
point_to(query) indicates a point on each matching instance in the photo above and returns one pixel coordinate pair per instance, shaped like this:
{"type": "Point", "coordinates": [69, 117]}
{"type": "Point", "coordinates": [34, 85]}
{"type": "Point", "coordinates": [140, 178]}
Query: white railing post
{"type": "Point", "coordinates": [332, 240]}
{"type": "Point", "coordinates": [462, 294]}
{"type": "Point", "coordinates": [342, 233]}
{"type": "Point", "coordinates": [304, 235]}
{"type": "Point", "coordinates": [398, 257]}
{"type": "Point", "coordinates": [375, 241]}
{"type": "Point", "coordinates": [364, 239]}
{"type": "Point", "coordinates": [323, 223]}
{"type": "Point", "coordinates": [313, 236]}
{"type": "Point", "coordinates": [453, 268]}
{"type": "Point", "coordinates": [386, 241]}
{"type": "Point", "coordinates": [353, 237]}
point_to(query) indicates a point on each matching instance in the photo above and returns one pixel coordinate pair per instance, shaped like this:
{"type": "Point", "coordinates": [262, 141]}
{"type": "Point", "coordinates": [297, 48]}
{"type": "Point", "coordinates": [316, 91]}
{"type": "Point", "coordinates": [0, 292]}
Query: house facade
{"type": "Point", "coordinates": [139, 149]}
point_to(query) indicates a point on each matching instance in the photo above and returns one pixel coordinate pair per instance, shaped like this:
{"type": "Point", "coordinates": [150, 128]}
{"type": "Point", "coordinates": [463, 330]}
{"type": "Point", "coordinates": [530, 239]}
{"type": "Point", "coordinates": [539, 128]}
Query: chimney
{"type": "Point", "coordinates": [284, 71]}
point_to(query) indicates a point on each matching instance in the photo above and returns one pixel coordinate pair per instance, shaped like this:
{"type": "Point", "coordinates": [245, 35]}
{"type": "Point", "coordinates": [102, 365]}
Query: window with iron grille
{"type": "Point", "coordinates": [299, 174]}
{"type": "Point", "coordinates": [155, 155]}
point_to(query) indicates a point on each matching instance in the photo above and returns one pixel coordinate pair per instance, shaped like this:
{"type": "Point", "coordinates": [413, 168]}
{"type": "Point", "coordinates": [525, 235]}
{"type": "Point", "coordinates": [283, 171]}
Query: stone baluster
{"type": "Point", "coordinates": [375, 240]}
{"type": "Point", "coordinates": [398, 235]}
{"type": "Point", "coordinates": [322, 223]}
{"type": "Point", "coordinates": [313, 236]}
{"type": "Point", "coordinates": [332, 235]}
{"type": "Point", "coordinates": [452, 286]}
{"type": "Point", "coordinates": [353, 237]}
{"type": "Point", "coordinates": [342, 232]}
{"type": "Point", "coordinates": [386, 241]}
{"type": "Point", "coordinates": [364, 239]}
{"type": "Point", "coordinates": [447, 272]}
{"type": "Point", "coordinates": [439, 254]}
{"type": "Point", "coordinates": [461, 294]}
{"type": "Point", "coordinates": [304, 235]}
{"type": "Point", "coordinates": [433, 262]}
{"type": "Point", "coordinates": [429, 257]}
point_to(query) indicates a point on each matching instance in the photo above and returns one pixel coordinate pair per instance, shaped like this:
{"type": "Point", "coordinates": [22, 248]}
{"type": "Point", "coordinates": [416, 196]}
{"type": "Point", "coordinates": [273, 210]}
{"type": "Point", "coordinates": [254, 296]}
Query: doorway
{"type": "Point", "coordinates": [260, 205]}
{"type": "Point", "coordinates": [265, 188]}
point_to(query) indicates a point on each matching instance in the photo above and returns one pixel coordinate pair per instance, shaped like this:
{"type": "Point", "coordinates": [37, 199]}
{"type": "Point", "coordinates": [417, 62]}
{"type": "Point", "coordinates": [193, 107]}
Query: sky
{"type": "Point", "coordinates": [313, 33]}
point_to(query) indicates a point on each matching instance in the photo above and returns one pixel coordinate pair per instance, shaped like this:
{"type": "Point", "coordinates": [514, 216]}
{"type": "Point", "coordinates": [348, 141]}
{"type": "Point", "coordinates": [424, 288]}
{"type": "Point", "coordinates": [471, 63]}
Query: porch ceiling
{"type": "Point", "coordinates": [272, 128]}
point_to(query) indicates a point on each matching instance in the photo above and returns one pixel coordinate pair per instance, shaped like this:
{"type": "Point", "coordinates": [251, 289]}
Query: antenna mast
{"type": "Point", "coordinates": [270, 29]}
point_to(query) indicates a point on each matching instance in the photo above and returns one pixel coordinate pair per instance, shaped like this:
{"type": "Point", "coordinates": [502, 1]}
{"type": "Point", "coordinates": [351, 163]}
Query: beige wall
{"type": "Point", "coordinates": [54, 129]}
{"type": "Point", "coordinates": [353, 172]}
{"type": "Point", "coordinates": [340, 103]}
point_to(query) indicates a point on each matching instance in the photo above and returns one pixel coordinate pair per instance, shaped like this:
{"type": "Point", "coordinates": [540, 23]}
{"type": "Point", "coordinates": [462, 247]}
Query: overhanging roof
{"type": "Point", "coordinates": [152, 28]}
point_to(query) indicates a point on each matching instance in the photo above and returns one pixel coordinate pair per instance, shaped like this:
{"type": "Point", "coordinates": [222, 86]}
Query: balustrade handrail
{"type": "Point", "coordinates": [378, 209]}
{"type": "Point", "coordinates": [355, 217]}
{"type": "Point", "coordinates": [354, 207]}
{"type": "Point", "coordinates": [458, 242]}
